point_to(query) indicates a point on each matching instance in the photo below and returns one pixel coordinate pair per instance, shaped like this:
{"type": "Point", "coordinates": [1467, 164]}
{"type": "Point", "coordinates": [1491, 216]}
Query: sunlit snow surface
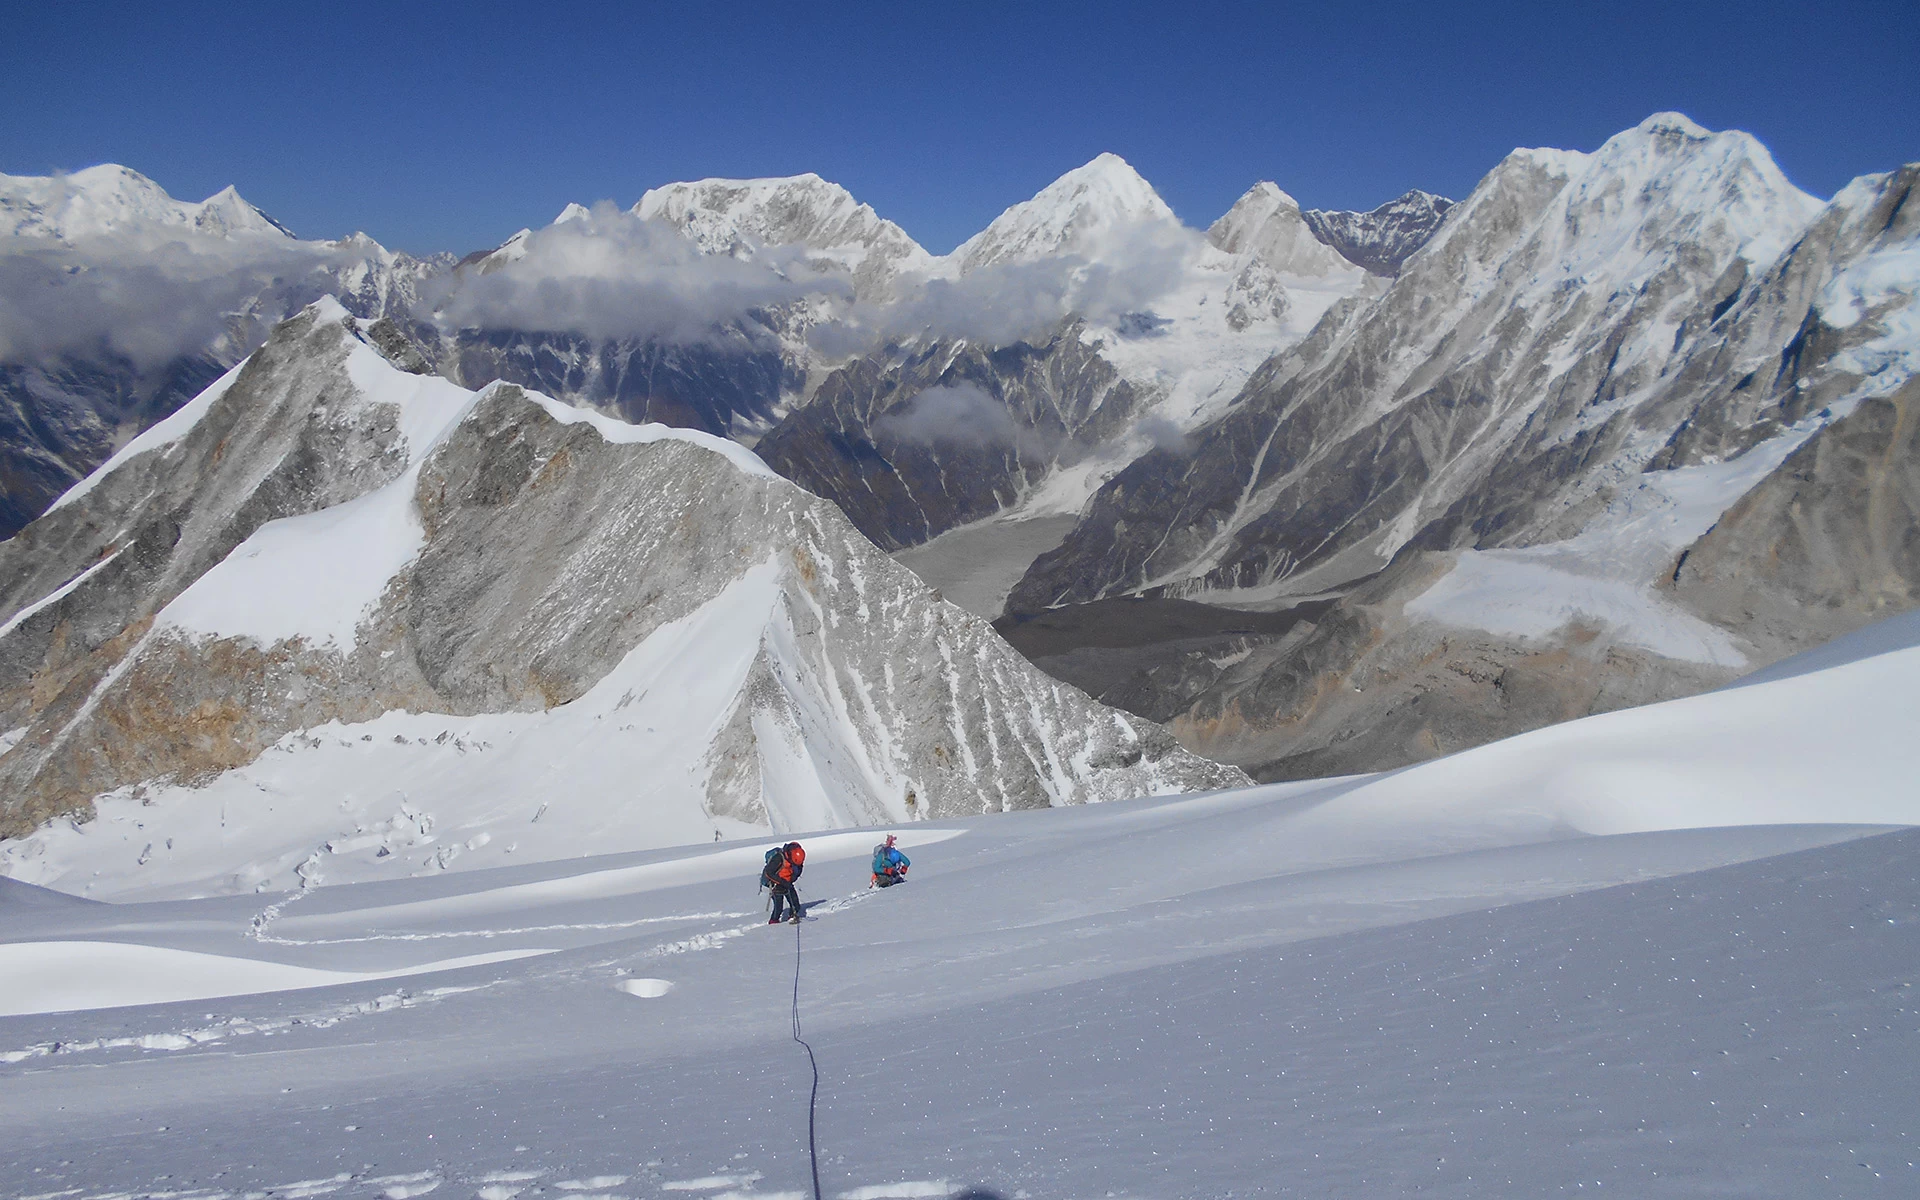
{"type": "Point", "coordinates": [1431, 981]}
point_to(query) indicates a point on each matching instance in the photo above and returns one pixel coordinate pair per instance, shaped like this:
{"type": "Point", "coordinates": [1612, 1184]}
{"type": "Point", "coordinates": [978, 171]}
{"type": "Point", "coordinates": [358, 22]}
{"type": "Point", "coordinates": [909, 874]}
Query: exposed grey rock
{"type": "Point", "coordinates": [942, 435]}
{"type": "Point", "coordinates": [1538, 411]}
{"type": "Point", "coordinates": [60, 419]}
{"type": "Point", "coordinates": [1826, 544]}
{"type": "Point", "coordinates": [1368, 688]}
{"type": "Point", "coordinates": [1154, 658]}
{"type": "Point", "coordinates": [289, 436]}
{"type": "Point", "coordinates": [1381, 240]}
{"type": "Point", "coordinates": [731, 384]}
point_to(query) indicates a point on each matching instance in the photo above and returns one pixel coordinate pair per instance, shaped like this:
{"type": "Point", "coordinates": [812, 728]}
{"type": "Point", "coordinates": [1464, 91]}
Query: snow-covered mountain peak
{"type": "Point", "coordinates": [1668, 181]}
{"type": "Point", "coordinates": [225, 213]}
{"type": "Point", "coordinates": [573, 212]}
{"type": "Point", "coordinates": [1679, 124]}
{"type": "Point", "coordinates": [731, 216]}
{"type": "Point", "coordinates": [735, 217]}
{"type": "Point", "coordinates": [1381, 239]}
{"type": "Point", "coordinates": [1267, 224]}
{"type": "Point", "coordinates": [1260, 203]}
{"type": "Point", "coordinates": [109, 198]}
{"type": "Point", "coordinates": [1073, 214]}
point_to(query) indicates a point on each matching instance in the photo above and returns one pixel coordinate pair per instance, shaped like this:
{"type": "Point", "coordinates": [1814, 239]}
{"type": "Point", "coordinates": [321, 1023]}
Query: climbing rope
{"type": "Point", "coordinates": [813, 1098]}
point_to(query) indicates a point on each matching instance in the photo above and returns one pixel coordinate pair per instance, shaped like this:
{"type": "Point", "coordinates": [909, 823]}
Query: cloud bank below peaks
{"type": "Point", "coordinates": [603, 273]}
{"type": "Point", "coordinates": [149, 296]}
{"type": "Point", "coordinates": [961, 414]}
{"type": "Point", "coordinates": [1129, 268]}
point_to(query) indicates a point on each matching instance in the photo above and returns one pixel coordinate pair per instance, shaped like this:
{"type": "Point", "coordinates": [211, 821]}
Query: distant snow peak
{"type": "Point", "coordinates": [1673, 123]}
{"type": "Point", "coordinates": [1073, 214]}
{"type": "Point", "coordinates": [112, 199]}
{"type": "Point", "coordinates": [1267, 224]}
{"type": "Point", "coordinates": [738, 217]}
{"type": "Point", "coordinates": [1680, 183]}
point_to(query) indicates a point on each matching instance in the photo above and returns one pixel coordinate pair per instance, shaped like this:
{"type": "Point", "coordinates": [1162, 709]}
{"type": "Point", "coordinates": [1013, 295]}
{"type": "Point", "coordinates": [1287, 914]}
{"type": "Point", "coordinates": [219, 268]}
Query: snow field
{"type": "Point", "coordinates": [1578, 958]}
{"type": "Point", "coordinates": [1312, 1029]}
{"type": "Point", "coordinates": [54, 976]}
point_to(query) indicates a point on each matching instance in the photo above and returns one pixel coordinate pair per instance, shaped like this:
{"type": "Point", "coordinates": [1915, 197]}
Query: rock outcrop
{"type": "Point", "coordinates": [1381, 240]}
{"type": "Point", "coordinates": [1827, 543]}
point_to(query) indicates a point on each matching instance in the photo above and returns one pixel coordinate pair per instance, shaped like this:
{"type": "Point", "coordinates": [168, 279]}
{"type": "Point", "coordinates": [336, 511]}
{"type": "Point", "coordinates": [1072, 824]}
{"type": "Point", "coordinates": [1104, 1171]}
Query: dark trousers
{"type": "Point", "coordinates": [783, 893]}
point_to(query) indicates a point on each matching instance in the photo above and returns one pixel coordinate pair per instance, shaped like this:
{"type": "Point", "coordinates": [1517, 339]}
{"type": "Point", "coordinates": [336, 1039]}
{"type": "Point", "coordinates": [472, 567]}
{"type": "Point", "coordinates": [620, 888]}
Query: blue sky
{"type": "Point", "coordinates": [448, 127]}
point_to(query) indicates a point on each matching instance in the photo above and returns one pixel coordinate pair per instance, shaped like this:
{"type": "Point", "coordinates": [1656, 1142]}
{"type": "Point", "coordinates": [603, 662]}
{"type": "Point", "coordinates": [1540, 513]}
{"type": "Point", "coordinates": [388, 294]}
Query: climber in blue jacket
{"type": "Point", "coordinates": [889, 865]}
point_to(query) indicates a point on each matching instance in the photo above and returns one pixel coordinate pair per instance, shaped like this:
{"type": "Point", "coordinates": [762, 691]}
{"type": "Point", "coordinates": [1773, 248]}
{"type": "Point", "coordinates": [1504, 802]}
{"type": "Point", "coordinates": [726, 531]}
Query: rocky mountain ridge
{"type": "Point", "coordinates": [1591, 376]}
{"type": "Point", "coordinates": [329, 586]}
{"type": "Point", "coordinates": [1384, 238]}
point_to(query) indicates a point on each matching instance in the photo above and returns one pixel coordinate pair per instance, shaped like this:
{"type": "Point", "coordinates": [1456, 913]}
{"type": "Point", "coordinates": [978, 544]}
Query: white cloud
{"type": "Point", "coordinates": [150, 297]}
{"type": "Point", "coordinates": [962, 413]}
{"type": "Point", "coordinates": [1010, 302]}
{"type": "Point", "coordinates": [609, 274]}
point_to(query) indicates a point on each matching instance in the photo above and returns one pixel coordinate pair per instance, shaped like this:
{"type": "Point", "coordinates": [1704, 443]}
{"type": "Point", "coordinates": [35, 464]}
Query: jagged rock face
{"type": "Point", "coordinates": [1520, 365]}
{"type": "Point", "coordinates": [60, 419]}
{"type": "Point", "coordinates": [325, 543]}
{"type": "Point", "coordinates": [1381, 240]}
{"type": "Point", "coordinates": [186, 290]}
{"type": "Point", "coordinates": [1827, 543]}
{"type": "Point", "coordinates": [732, 384]}
{"type": "Point", "coordinates": [951, 433]}
{"type": "Point", "coordinates": [281, 436]}
{"type": "Point", "coordinates": [1370, 686]}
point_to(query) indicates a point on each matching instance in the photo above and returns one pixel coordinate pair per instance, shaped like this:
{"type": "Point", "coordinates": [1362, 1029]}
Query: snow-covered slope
{"type": "Point", "coordinates": [352, 621]}
{"type": "Point", "coordinates": [1268, 224]}
{"type": "Point", "coordinates": [1548, 303]}
{"type": "Point", "coordinates": [1451, 981]}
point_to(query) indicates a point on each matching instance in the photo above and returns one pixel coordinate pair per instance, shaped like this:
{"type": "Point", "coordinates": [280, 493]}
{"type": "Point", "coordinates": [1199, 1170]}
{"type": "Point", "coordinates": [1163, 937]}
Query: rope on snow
{"type": "Point", "coordinates": [813, 1098]}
